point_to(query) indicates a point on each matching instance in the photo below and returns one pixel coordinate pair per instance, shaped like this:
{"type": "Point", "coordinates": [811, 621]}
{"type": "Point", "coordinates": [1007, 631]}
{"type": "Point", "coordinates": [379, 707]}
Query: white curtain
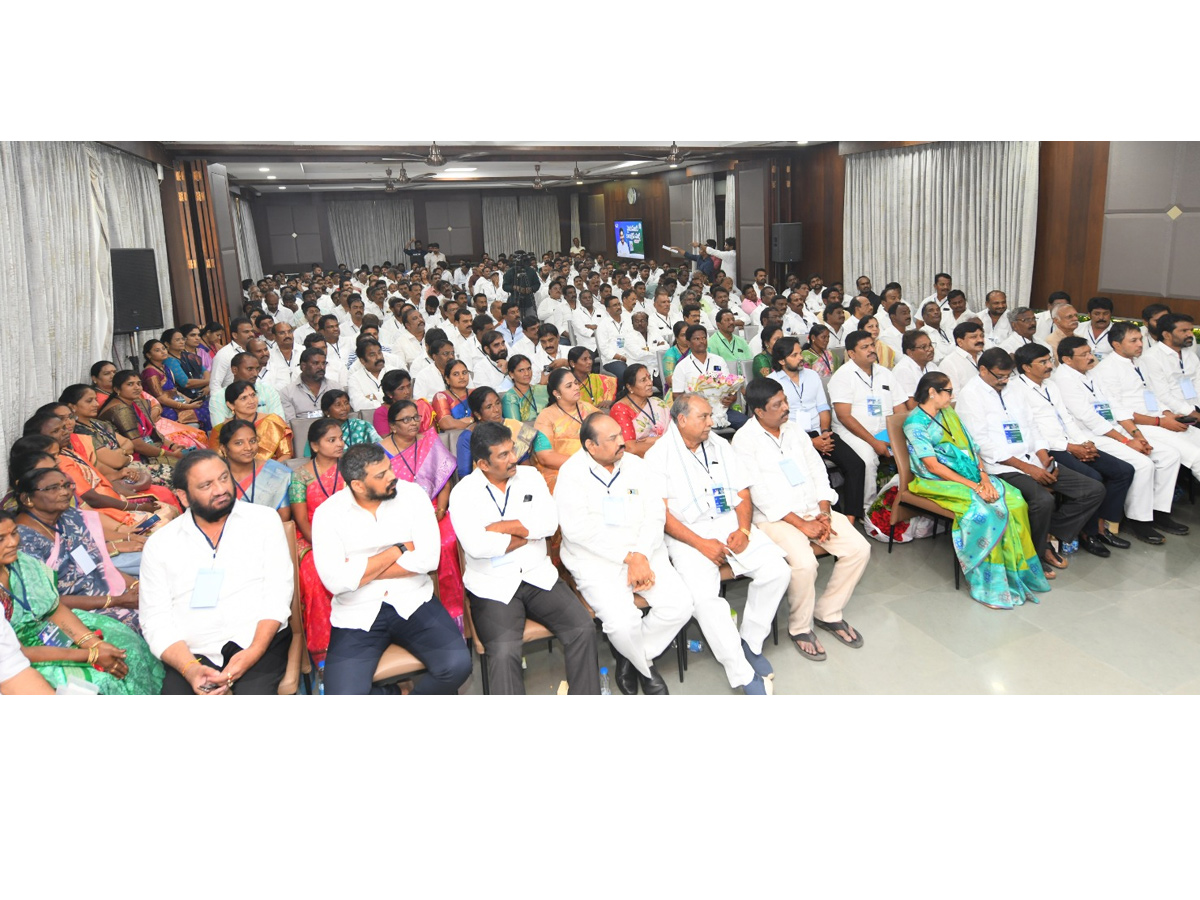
{"type": "Point", "coordinates": [63, 206]}
{"type": "Point", "coordinates": [968, 209]}
{"type": "Point", "coordinates": [730, 206]}
{"type": "Point", "coordinates": [501, 226]}
{"type": "Point", "coordinates": [539, 224]}
{"type": "Point", "coordinates": [249, 260]}
{"type": "Point", "coordinates": [575, 227]}
{"type": "Point", "coordinates": [704, 209]}
{"type": "Point", "coordinates": [370, 231]}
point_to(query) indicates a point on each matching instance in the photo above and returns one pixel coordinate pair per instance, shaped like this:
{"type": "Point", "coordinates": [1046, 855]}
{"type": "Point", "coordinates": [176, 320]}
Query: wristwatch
{"type": "Point", "coordinates": [400, 546]}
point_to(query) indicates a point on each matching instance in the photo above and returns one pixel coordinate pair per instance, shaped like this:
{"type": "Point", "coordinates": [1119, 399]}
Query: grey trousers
{"type": "Point", "coordinates": [1082, 497]}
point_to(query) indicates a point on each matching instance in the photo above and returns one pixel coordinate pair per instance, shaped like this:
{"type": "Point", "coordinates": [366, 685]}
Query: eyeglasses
{"type": "Point", "coordinates": [61, 486]}
{"type": "Point", "coordinates": [408, 420]}
{"type": "Point", "coordinates": [1000, 379]}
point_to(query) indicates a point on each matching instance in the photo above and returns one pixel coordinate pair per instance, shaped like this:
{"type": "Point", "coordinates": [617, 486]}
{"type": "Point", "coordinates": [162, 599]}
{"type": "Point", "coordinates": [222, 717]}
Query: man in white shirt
{"type": "Point", "coordinates": [339, 346]}
{"type": "Point", "coordinates": [502, 514]}
{"type": "Point", "coordinates": [1024, 326]}
{"type": "Point", "coordinates": [242, 331]}
{"type": "Point", "coordinates": [374, 544]}
{"type": "Point", "coordinates": [1072, 447]}
{"type": "Point", "coordinates": [336, 374]}
{"type": "Point", "coordinates": [1010, 447]}
{"type": "Point", "coordinates": [510, 322]}
{"type": "Point", "coordinates": [792, 496]}
{"type": "Point", "coordinates": [529, 346]}
{"type": "Point", "coordinates": [1133, 398]}
{"type": "Point", "coordinates": [461, 275]}
{"type": "Point", "coordinates": [434, 257]}
{"type": "Point", "coordinates": [894, 326]}
{"type": "Point", "coordinates": [492, 370]}
{"type": "Point", "coordinates": [996, 327]}
{"type": "Point", "coordinates": [638, 349]}
{"type": "Point", "coordinates": [727, 257]}
{"type": "Point", "coordinates": [915, 362]}
{"type": "Point", "coordinates": [428, 382]}
{"type": "Point", "coordinates": [463, 338]}
{"type": "Point", "coordinates": [311, 314]}
{"type": "Point", "coordinates": [660, 321]}
{"type": "Point", "coordinates": [835, 321]}
{"type": "Point", "coordinates": [1171, 367]}
{"type": "Point", "coordinates": [391, 328]}
{"type": "Point", "coordinates": [696, 365]}
{"type": "Point", "coordinates": [284, 358]}
{"type": "Point", "coordinates": [585, 321]}
{"type": "Point", "coordinates": [610, 338]}
{"type": "Point", "coordinates": [612, 512]}
{"type": "Point", "coordinates": [1156, 469]}
{"type": "Point", "coordinates": [410, 343]}
{"type": "Point", "coordinates": [1095, 330]}
{"type": "Point", "coordinates": [1066, 323]}
{"type": "Point", "coordinates": [942, 283]}
{"type": "Point", "coordinates": [216, 588]}
{"type": "Point", "coordinates": [554, 310]}
{"type": "Point", "coordinates": [1150, 316]}
{"type": "Point", "coordinates": [709, 523]}
{"type": "Point", "coordinates": [1045, 318]}
{"type": "Point", "coordinates": [797, 322]}
{"type": "Point", "coordinates": [365, 385]}
{"type": "Point", "coordinates": [958, 312]}
{"type": "Point", "coordinates": [861, 394]}
{"type": "Point", "coordinates": [962, 365]}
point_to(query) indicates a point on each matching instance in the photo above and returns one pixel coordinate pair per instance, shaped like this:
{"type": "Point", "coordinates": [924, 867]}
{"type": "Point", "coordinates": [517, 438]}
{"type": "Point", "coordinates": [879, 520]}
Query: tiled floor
{"type": "Point", "coordinates": [1129, 624]}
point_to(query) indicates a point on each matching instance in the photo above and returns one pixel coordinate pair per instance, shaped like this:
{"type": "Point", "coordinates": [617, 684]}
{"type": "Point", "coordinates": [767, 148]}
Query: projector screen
{"type": "Point", "coordinates": [630, 240]}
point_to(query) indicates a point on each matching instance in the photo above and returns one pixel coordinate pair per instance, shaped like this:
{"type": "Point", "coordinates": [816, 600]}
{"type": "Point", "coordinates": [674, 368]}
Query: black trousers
{"type": "Point", "coordinates": [261, 678]}
{"type": "Point", "coordinates": [1082, 497]}
{"type": "Point", "coordinates": [1115, 474]}
{"type": "Point", "coordinates": [501, 626]}
{"type": "Point", "coordinates": [854, 473]}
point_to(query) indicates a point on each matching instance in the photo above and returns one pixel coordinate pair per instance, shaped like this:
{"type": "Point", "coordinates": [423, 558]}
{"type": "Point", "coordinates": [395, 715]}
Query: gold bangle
{"type": "Point", "coordinates": [183, 671]}
{"type": "Point", "coordinates": [85, 641]}
{"type": "Point", "coordinates": [745, 531]}
{"type": "Point", "coordinates": [93, 655]}
{"type": "Point", "coordinates": [107, 601]}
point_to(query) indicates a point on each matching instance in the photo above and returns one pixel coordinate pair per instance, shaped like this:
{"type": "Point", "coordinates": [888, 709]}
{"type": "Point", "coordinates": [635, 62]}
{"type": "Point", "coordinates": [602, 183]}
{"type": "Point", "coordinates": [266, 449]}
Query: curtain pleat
{"type": "Point", "coordinates": [539, 224]}
{"type": "Point", "coordinates": [730, 206]}
{"type": "Point", "coordinates": [249, 259]}
{"type": "Point", "coordinates": [575, 226]}
{"type": "Point", "coordinates": [368, 232]}
{"type": "Point", "coordinates": [501, 226]}
{"type": "Point", "coordinates": [966, 208]}
{"type": "Point", "coordinates": [704, 209]}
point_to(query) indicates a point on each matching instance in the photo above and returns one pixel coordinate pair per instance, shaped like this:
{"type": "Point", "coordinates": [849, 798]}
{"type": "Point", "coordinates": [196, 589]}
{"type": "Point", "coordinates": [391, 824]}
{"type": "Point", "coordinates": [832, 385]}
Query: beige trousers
{"type": "Point", "coordinates": [852, 550]}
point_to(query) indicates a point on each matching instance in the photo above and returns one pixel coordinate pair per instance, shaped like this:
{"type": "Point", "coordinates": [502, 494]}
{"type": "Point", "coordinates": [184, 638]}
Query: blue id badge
{"type": "Point", "coordinates": [719, 502]}
{"type": "Point", "coordinates": [874, 406]}
{"type": "Point", "coordinates": [1189, 389]}
{"type": "Point", "coordinates": [207, 588]}
{"type": "Point", "coordinates": [1103, 410]}
{"type": "Point", "coordinates": [1150, 400]}
{"type": "Point", "coordinates": [792, 471]}
{"type": "Point", "coordinates": [614, 511]}
{"type": "Point", "coordinates": [1012, 432]}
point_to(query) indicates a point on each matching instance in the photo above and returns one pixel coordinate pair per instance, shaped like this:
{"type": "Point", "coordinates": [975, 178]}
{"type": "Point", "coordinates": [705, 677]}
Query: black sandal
{"type": "Point", "coordinates": [834, 627]}
{"type": "Point", "coordinates": [811, 638]}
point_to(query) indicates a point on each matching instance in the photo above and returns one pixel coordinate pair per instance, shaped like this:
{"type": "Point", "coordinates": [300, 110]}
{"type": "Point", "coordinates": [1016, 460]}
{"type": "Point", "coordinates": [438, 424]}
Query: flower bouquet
{"type": "Point", "coordinates": [716, 389]}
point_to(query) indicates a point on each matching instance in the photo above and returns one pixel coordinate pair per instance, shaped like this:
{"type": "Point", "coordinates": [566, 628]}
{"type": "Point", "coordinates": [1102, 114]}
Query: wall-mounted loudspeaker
{"type": "Point", "coordinates": [786, 242]}
{"type": "Point", "coordinates": [137, 304]}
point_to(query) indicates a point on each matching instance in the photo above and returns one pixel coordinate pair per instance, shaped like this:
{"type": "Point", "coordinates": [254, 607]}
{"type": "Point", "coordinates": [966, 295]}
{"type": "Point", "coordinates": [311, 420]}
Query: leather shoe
{"type": "Point", "coordinates": [1144, 532]}
{"type": "Point", "coordinates": [626, 674]}
{"type": "Point", "coordinates": [1106, 537]}
{"type": "Point", "coordinates": [654, 684]}
{"type": "Point", "coordinates": [1092, 545]}
{"type": "Point", "coordinates": [1163, 522]}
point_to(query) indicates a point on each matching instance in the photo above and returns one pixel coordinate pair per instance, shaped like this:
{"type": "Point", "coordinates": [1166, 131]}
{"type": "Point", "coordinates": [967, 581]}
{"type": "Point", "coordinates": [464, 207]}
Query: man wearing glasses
{"type": "Point", "coordinates": [1024, 325]}
{"type": "Point", "coordinates": [1000, 421]}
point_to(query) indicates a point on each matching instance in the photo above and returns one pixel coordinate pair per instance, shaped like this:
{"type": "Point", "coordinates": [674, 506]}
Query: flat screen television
{"type": "Point", "coordinates": [631, 243]}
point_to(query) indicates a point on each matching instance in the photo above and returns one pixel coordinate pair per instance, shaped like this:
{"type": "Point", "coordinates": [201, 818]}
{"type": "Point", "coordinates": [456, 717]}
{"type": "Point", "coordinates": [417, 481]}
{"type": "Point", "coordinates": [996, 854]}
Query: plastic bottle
{"type": "Point", "coordinates": [321, 678]}
{"type": "Point", "coordinates": [604, 688]}
{"type": "Point", "coordinates": [695, 646]}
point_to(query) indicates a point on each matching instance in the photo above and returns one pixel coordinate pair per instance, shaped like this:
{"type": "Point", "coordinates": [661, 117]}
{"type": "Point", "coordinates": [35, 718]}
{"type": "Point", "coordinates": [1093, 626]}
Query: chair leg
{"type": "Point", "coordinates": [680, 654]}
{"type": "Point", "coordinates": [483, 672]}
{"type": "Point", "coordinates": [683, 638]}
{"type": "Point", "coordinates": [775, 628]}
{"type": "Point", "coordinates": [549, 645]}
{"type": "Point", "coordinates": [892, 533]}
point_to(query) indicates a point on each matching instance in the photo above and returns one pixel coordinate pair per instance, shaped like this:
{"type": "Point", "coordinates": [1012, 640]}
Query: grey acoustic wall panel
{"type": "Point", "coordinates": [448, 222]}
{"type": "Point", "coordinates": [1152, 219]}
{"type": "Point", "coordinates": [679, 199]}
{"type": "Point", "coordinates": [594, 225]}
{"type": "Point", "coordinates": [752, 219]}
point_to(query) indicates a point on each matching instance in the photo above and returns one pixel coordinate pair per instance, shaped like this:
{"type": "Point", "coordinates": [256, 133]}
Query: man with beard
{"type": "Point", "coordinates": [374, 545]}
{"type": "Point", "coordinates": [492, 370]}
{"type": "Point", "coordinates": [216, 588]}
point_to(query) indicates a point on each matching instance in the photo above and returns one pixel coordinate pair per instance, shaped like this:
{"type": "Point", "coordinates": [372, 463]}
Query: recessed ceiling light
{"type": "Point", "coordinates": [283, 187]}
{"type": "Point", "coordinates": [264, 170]}
{"type": "Point", "coordinates": [463, 169]}
{"type": "Point", "coordinates": [633, 173]}
{"type": "Point", "coordinates": [801, 142]}
{"type": "Point", "coordinates": [272, 177]}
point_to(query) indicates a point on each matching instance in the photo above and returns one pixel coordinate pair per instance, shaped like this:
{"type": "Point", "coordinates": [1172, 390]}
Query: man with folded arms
{"type": "Point", "coordinates": [374, 544]}
{"type": "Point", "coordinates": [943, 343]}
{"type": "Point", "coordinates": [612, 513]}
{"type": "Point", "coordinates": [1072, 447]}
{"type": "Point", "coordinates": [1001, 424]}
{"type": "Point", "coordinates": [502, 514]}
{"type": "Point", "coordinates": [1155, 468]}
{"type": "Point", "coordinates": [962, 363]}
{"type": "Point", "coordinates": [861, 394]}
{"type": "Point", "coordinates": [916, 362]}
{"type": "Point", "coordinates": [709, 523]}
{"type": "Point", "coordinates": [791, 494]}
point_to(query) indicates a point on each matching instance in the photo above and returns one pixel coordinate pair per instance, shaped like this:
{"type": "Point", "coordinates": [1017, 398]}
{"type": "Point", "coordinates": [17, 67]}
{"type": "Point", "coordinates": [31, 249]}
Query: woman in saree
{"type": "Point", "coordinates": [129, 414]}
{"type": "Point", "coordinates": [397, 385]}
{"type": "Point", "coordinates": [158, 383]}
{"type": "Point", "coordinates": [212, 339]}
{"type": "Point", "coordinates": [886, 355]}
{"type": "Point", "coordinates": [559, 423]}
{"type": "Point", "coordinates": [103, 373]}
{"type": "Point", "coordinates": [816, 353]}
{"type": "Point", "coordinates": [599, 391]}
{"type": "Point", "coordinates": [422, 458]}
{"type": "Point", "coordinates": [111, 453]}
{"type": "Point", "coordinates": [336, 405]}
{"type": "Point", "coordinates": [311, 486]}
{"type": "Point", "coordinates": [675, 353]}
{"type": "Point", "coordinates": [991, 518]}
{"type": "Point", "coordinates": [525, 399]}
{"type": "Point", "coordinates": [486, 406]}
{"type": "Point", "coordinates": [263, 482]}
{"type": "Point", "coordinates": [762, 362]}
{"type": "Point", "coordinates": [450, 409]}
{"type": "Point", "coordinates": [274, 434]}
{"type": "Point", "coordinates": [186, 373]}
{"type": "Point", "coordinates": [641, 419]}
{"type": "Point", "coordinates": [71, 542]}
{"type": "Point", "coordinates": [59, 641]}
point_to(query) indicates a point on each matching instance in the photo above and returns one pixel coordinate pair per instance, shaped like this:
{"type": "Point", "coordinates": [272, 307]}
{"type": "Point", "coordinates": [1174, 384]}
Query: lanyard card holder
{"type": "Point", "coordinates": [874, 407]}
{"type": "Point", "coordinates": [614, 511]}
{"type": "Point", "coordinates": [1188, 388]}
{"type": "Point", "coordinates": [720, 501]}
{"type": "Point", "coordinates": [792, 471]}
{"type": "Point", "coordinates": [1012, 432]}
{"type": "Point", "coordinates": [1103, 410]}
{"type": "Point", "coordinates": [207, 588]}
{"type": "Point", "coordinates": [1150, 400]}
{"type": "Point", "coordinates": [83, 560]}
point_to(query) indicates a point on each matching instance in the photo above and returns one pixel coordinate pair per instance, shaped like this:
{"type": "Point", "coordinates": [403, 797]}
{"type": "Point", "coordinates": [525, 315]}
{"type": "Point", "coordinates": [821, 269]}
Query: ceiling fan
{"type": "Point", "coordinates": [673, 159]}
{"type": "Point", "coordinates": [435, 159]}
{"type": "Point", "coordinates": [402, 180]}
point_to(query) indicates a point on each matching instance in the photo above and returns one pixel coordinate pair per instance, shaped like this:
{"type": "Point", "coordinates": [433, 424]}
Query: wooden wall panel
{"type": "Point", "coordinates": [1073, 177]}
{"type": "Point", "coordinates": [817, 197]}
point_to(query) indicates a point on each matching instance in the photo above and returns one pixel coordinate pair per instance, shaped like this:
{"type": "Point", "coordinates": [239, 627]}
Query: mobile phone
{"type": "Point", "coordinates": [147, 525]}
{"type": "Point", "coordinates": [1053, 465]}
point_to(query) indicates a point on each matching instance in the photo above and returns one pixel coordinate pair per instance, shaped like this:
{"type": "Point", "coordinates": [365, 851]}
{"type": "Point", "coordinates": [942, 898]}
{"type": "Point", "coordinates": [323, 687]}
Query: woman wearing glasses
{"type": "Point", "coordinates": [991, 519]}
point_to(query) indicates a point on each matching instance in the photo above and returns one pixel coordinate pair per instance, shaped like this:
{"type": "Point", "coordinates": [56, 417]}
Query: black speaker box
{"type": "Point", "coordinates": [137, 304]}
{"type": "Point", "coordinates": [787, 239]}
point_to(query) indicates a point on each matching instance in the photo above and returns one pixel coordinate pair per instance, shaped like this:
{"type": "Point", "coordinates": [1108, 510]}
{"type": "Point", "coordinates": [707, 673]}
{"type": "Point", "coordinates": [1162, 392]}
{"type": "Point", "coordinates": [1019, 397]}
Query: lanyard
{"type": "Point", "coordinates": [400, 455]}
{"type": "Point", "coordinates": [253, 483]}
{"type": "Point", "coordinates": [1139, 374]}
{"type": "Point", "coordinates": [697, 459]}
{"type": "Point", "coordinates": [320, 484]}
{"type": "Point", "coordinates": [703, 371]}
{"type": "Point", "coordinates": [53, 529]}
{"type": "Point", "coordinates": [526, 397]}
{"type": "Point", "coordinates": [205, 536]}
{"type": "Point", "coordinates": [587, 386]}
{"type": "Point", "coordinates": [13, 579]}
{"type": "Point", "coordinates": [1096, 340]}
{"type": "Point", "coordinates": [870, 384]}
{"type": "Point", "coordinates": [945, 337]}
{"type": "Point", "coordinates": [499, 508]}
{"type": "Point", "coordinates": [607, 487]}
{"type": "Point", "coordinates": [1044, 393]}
{"type": "Point", "coordinates": [578, 417]}
{"type": "Point", "coordinates": [778, 443]}
{"type": "Point", "coordinates": [648, 411]}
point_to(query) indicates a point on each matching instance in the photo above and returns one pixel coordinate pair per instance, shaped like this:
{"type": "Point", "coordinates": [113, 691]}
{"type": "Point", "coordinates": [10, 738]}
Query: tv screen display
{"type": "Point", "coordinates": [630, 240]}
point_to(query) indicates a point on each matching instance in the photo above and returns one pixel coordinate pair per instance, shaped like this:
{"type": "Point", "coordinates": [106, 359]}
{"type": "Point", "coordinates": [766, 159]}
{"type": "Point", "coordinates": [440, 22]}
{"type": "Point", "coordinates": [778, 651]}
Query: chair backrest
{"type": "Point", "coordinates": [449, 440]}
{"type": "Point", "coordinates": [660, 354]}
{"type": "Point", "coordinates": [751, 330]}
{"type": "Point", "coordinates": [839, 355]}
{"type": "Point", "coordinates": [895, 430]}
{"type": "Point", "coordinates": [745, 368]}
{"type": "Point", "coordinates": [300, 429]}
{"type": "Point", "coordinates": [367, 415]}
